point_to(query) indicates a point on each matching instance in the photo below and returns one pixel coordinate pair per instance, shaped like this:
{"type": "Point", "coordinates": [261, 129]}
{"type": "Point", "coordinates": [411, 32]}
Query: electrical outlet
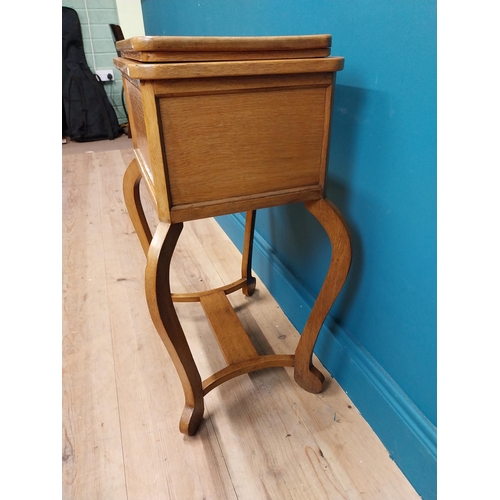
{"type": "Point", "coordinates": [106, 75]}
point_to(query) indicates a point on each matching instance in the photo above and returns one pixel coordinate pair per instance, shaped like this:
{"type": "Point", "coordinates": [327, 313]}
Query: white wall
{"type": "Point", "coordinates": [130, 17]}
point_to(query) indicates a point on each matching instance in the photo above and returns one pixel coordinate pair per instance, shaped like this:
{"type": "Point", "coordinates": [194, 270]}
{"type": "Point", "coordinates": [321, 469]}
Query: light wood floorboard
{"type": "Point", "coordinates": [262, 438]}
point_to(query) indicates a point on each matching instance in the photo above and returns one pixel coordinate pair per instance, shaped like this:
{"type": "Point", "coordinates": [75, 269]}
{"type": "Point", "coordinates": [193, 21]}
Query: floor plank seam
{"type": "Point", "coordinates": [224, 458]}
{"type": "Point", "coordinates": [113, 347]}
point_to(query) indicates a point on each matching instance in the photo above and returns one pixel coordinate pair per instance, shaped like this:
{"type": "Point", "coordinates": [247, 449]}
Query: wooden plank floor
{"type": "Point", "coordinates": [262, 438]}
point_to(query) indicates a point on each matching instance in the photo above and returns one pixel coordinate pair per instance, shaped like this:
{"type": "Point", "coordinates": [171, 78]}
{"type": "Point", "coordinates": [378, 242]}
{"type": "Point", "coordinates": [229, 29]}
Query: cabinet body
{"type": "Point", "coordinates": [229, 128]}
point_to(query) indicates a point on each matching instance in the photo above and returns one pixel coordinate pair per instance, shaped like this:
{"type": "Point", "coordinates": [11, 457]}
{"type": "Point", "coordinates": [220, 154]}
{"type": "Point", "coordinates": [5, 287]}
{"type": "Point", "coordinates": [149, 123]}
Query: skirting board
{"type": "Point", "coordinates": [406, 433]}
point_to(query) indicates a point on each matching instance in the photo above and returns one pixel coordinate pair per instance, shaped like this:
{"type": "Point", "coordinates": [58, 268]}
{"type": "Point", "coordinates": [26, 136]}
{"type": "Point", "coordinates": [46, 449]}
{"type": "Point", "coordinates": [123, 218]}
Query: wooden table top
{"type": "Point", "coordinates": [200, 48]}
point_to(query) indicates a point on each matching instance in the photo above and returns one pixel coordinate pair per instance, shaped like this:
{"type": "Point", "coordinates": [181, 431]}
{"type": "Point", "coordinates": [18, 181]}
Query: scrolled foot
{"type": "Point", "coordinates": [249, 287]}
{"type": "Point", "coordinates": [310, 379]}
{"type": "Point", "coordinates": [191, 419]}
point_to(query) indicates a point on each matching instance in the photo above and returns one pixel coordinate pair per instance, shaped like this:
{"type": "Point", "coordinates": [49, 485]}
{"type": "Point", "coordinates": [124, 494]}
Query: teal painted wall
{"type": "Point", "coordinates": [380, 340]}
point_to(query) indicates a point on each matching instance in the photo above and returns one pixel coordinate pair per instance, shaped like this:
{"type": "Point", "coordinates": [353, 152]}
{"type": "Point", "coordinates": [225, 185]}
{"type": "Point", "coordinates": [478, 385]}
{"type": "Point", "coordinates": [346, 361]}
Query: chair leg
{"type": "Point", "coordinates": [167, 323]}
{"type": "Point", "coordinates": [306, 374]}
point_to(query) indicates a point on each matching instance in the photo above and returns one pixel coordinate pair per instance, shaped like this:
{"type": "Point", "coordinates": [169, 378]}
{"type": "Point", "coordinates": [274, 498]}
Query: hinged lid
{"type": "Point", "coordinates": [187, 48]}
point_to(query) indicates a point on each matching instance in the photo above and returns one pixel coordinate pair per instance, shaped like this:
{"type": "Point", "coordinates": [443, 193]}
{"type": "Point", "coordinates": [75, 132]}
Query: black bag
{"type": "Point", "coordinates": [89, 114]}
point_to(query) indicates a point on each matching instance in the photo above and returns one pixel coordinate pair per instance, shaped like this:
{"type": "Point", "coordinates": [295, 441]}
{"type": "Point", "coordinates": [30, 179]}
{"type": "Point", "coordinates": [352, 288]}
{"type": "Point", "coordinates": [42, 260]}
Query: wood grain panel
{"type": "Point", "coordinates": [222, 146]}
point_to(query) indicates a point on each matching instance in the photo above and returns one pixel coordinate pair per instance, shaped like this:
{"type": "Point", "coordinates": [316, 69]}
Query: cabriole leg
{"type": "Point", "coordinates": [306, 374]}
{"type": "Point", "coordinates": [131, 195]}
{"type": "Point", "coordinates": [246, 263]}
{"type": "Point", "coordinates": [167, 323]}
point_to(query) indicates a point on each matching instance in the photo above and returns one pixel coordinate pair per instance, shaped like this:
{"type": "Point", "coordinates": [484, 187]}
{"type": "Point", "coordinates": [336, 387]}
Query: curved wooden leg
{"type": "Point", "coordinates": [306, 375]}
{"type": "Point", "coordinates": [246, 263]}
{"type": "Point", "coordinates": [167, 323]}
{"type": "Point", "coordinates": [131, 195]}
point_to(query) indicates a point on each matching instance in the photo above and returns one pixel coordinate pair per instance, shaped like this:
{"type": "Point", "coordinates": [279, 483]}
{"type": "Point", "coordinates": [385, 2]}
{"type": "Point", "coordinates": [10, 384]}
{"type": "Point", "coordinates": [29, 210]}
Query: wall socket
{"type": "Point", "coordinates": [106, 75]}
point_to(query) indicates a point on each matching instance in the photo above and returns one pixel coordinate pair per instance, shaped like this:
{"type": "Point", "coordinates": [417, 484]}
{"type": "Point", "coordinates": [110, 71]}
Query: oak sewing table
{"type": "Point", "coordinates": [222, 125]}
